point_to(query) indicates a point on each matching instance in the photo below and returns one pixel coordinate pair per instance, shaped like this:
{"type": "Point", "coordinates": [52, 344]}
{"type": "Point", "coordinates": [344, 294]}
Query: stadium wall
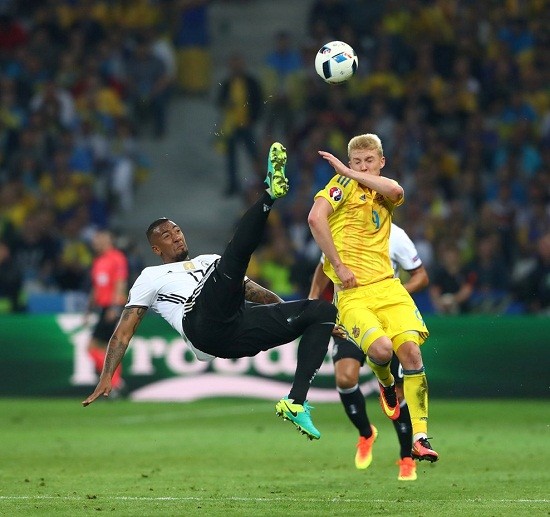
{"type": "Point", "coordinates": [466, 356]}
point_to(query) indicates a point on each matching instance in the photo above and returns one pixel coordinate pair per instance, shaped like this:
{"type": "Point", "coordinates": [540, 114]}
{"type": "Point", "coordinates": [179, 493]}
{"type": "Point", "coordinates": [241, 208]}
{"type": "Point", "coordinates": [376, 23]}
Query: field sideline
{"type": "Point", "coordinates": [235, 457]}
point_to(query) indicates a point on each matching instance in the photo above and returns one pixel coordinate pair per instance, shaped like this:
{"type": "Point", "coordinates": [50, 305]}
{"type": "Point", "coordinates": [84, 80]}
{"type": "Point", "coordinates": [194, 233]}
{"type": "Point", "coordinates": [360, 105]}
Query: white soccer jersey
{"type": "Point", "coordinates": [170, 290]}
{"type": "Point", "coordinates": [403, 254]}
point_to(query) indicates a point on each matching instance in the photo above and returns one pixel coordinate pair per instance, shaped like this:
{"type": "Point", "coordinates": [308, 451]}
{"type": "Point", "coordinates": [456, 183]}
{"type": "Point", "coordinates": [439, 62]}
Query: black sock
{"type": "Point", "coordinates": [403, 428]}
{"type": "Point", "coordinates": [250, 229]}
{"type": "Point", "coordinates": [318, 319]}
{"type": "Point", "coordinates": [354, 405]}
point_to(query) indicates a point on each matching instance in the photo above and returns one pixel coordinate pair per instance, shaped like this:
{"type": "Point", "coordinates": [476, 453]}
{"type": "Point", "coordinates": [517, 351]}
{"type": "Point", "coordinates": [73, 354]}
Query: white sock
{"type": "Point", "coordinates": [417, 436]}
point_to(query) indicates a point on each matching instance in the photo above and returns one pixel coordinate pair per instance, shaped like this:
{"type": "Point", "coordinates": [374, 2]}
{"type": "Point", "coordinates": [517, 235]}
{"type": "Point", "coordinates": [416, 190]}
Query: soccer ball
{"type": "Point", "coordinates": [336, 62]}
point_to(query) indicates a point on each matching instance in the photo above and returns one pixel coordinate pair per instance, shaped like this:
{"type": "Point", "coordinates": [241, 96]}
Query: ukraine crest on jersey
{"type": "Point", "coordinates": [360, 226]}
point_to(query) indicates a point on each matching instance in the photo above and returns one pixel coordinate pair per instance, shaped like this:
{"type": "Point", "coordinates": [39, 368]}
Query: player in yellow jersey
{"type": "Point", "coordinates": [351, 221]}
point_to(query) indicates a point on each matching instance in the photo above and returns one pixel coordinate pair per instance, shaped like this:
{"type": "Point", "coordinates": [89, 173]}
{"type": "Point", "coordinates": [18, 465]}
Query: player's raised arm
{"type": "Point", "coordinates": [129, 321]}
{"type": "Point", "coordinates": [387, 187]}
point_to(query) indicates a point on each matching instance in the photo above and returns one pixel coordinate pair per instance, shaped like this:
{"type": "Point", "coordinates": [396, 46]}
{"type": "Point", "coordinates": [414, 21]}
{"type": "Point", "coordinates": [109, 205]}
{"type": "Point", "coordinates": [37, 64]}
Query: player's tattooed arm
{"type": "Point", "coordinates": [129, 321]}
{"type": "Point", "coordinates": [127, 325]}
{"type": "Point", "coordinates": [254, 292]}
{"type": "Point", "coordinates": [134, 315]}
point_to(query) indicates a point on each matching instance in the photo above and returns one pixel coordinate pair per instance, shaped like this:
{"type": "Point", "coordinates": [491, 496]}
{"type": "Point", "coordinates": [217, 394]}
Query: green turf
{"type": "Point", "coordinates": [235, 457]}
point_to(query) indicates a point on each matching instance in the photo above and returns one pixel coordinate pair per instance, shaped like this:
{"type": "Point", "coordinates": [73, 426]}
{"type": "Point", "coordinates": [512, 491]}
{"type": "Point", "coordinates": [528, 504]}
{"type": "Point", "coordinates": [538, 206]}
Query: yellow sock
{"type": "Point", "coordinates": [382, 372]}
{"type": "Point", "coordinates": [415, 387]}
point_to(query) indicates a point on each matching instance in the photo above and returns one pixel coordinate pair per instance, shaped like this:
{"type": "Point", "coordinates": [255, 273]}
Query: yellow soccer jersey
{"type": "Point", "coordinates": [360, 227]}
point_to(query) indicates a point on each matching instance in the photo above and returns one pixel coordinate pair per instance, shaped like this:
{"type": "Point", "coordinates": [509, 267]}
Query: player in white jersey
{"type": "Point", "coordinates": [348, 360]}
{"type": "Point", "coordinates": [219, 311]}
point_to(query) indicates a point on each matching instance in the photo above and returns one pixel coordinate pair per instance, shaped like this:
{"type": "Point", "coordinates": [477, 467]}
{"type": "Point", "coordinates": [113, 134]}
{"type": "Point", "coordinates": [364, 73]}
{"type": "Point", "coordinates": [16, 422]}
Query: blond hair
{"type": "Point", "coordinates": [368, 141]}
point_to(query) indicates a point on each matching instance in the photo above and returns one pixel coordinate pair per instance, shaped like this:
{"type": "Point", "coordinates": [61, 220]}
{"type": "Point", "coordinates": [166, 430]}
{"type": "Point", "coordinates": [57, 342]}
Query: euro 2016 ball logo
{"type": "Point", "coordinates": [335, 194]}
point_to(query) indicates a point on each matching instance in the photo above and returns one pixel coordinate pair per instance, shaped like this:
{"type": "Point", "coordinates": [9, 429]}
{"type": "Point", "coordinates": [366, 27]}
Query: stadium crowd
{"type": "Point", "coordinates": [458, 92]}
{"type": "Point", "coordinates": [79, 81]}
{"type": "Point", "coordinates": [456, 89]}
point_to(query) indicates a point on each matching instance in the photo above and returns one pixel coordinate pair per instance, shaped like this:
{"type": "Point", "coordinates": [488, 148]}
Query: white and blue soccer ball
{"type": "Point", "coordinates": [336, 62]}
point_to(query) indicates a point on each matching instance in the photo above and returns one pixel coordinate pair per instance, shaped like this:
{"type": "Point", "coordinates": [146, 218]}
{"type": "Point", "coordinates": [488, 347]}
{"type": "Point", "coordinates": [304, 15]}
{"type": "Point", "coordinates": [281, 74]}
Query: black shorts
{"type": "Point", "coordinates": [232, 328]}
{"type": "Point", "coordinates": [104, 328]}
{"type": "Point", "coordinates": [222, 324]}
{"type": "Point", "coordinates": [344, 349]}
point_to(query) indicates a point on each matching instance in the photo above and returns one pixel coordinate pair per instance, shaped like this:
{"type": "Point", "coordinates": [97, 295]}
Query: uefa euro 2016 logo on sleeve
{"type": "Point", "coordinates": [335, 194]}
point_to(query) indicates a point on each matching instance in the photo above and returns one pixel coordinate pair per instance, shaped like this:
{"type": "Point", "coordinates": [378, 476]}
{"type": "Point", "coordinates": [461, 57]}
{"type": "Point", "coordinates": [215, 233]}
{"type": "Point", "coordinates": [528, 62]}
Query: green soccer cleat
{"type": "Point", "coordinates": [276, 181]}
{"type": "Point", "coordinates": [299, 415]}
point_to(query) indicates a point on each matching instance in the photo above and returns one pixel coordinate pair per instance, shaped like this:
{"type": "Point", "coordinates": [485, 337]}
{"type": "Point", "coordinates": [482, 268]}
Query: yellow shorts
{"type": "Point", "coordinates": [381, 309]}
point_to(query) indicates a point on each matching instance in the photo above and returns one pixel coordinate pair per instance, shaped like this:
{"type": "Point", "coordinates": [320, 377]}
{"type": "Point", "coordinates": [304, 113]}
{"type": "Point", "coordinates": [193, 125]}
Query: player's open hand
{"type": "Point", "coordinates": [103, 388]}
{"type": "Point", "coordinates": [336, 164]}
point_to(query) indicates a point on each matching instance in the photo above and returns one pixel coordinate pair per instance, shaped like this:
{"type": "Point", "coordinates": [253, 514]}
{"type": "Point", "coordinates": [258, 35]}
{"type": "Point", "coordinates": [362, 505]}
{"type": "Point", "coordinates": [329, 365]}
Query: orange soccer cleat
{"type": "Point", "coordinates": [363, 456]}
{"type": "Point", "coordinates": [422, 450]}
{"type": "Point", "coordinates": [407, 469]}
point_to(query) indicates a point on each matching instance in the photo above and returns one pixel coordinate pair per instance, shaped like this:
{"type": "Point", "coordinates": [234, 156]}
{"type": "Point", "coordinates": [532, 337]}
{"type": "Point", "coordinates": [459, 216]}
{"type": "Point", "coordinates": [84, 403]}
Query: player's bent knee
{"type": "Point", "coordinates": [323, 310]}
{"type": "Point", "coordinates": [381, 350]}
{"type": "Point", "coordinates": [346, 373]}
{"type": "Point", "coordinates": [346, 380]}
{"type": "Point", "coordinates": [409, 356]}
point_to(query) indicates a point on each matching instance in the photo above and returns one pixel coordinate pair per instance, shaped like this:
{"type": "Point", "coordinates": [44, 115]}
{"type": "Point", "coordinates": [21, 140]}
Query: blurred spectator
{"type": "Point", "coordinates": [329, 14]}
{"type": "Point", "coordinates": [15, 205]}
{"type": "Point", "coordinates": [74, 258]}
{"type": "Point", "coordinates": [56, 104]}
{"type": "Point", "coordinates": [35, 249]}
{"type": "Point", "coordinates": [60, 182]}
{"type": "Point", "coordinates": [240, 102]}
{"type": "Point", "coordinates": [449, 289]}
{"type": "Point", "coordinates": [283, 86]}
{"type": "Point", "coordinates": [192, 44]}
{"type": "Point", "coordinates": [488, 274]}
{"type": "Point", "coordinates": [162, 47]}
{"type": "Point", "coordinates": [12, 34]}
{"type": "Point", "coordinates": [275, 266]}
{"type": "Point", "coordinates": [148, 83]}
{"type": "Point", "coordinates": [11, 281]}
{"type": "Point", "coordinates": [532, 284]}
{"type": "Point", "coordinates": [127, 166]}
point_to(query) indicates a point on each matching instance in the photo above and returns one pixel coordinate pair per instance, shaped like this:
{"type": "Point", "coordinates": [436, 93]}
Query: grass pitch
{"type": "Point", "coordinates": [235, 457]}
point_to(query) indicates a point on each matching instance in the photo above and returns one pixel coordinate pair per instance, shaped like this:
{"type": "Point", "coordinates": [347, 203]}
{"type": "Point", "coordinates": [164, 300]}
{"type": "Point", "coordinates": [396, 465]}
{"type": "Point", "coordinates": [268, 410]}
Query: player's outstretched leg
{"type": "Point", "coordinates": [299, 415]}
{"type": "Point", "coordinates": [363, 457]}
{"type": "Point", "coordinates": [276, 181]}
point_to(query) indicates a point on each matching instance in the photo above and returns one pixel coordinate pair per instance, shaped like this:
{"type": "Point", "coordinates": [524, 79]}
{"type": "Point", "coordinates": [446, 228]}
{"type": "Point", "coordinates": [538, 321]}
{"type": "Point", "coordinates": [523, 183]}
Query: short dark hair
{"type": "Point", "coordinates": [154, 225]}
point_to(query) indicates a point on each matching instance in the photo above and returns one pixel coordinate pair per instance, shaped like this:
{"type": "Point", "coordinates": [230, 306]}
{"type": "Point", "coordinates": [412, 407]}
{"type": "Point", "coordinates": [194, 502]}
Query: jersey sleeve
{"type": "Point", "coordinates": [337, 190]}
{"type": "Point", "coordinates": [142, 293]}
{"type": "Point", "coordinates": [404, 251]}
